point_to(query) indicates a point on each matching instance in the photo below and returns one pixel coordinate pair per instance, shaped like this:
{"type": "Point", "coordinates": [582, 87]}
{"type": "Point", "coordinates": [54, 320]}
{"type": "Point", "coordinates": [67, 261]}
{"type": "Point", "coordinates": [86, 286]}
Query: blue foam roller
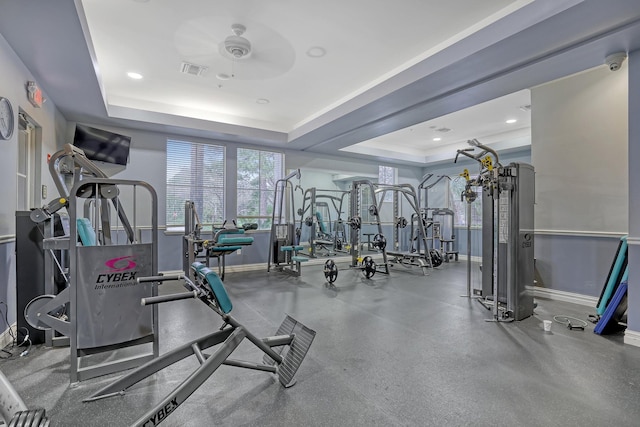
{"type": "Point", "coordinates": [609, 313]}
{"type": "Point", "coordinates": [614, 279]}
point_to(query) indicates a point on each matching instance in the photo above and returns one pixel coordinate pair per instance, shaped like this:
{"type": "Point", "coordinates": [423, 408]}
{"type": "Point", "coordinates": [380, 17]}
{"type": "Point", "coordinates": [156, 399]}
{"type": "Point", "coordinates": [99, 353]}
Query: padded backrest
{"type": "Point", "coordinates": [219, 292]}
{"type": "Point", "coordinates": [321, 222]}
{"type": "Point", "coordinates": [86, 232]}
{"type": "Point", "coordinates": [235, 240]}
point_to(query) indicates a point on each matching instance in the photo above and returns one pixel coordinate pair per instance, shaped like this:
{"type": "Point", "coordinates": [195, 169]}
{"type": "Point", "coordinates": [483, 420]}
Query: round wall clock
{"type": "Point", "coordinates": [6, 118]}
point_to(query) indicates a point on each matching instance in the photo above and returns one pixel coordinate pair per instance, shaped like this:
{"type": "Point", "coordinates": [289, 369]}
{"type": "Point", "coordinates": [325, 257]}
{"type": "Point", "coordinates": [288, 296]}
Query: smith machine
{"type": "Point", "coordinates": [361, 251]}
{"type": "Point", "coordinates": [507, 233]}
{"type": "Point", "coordinates": [439, 221]}
{"type": "Point", "coordinates": [427, 258]}
{"type": "Point", "coordinates": [326, 235]}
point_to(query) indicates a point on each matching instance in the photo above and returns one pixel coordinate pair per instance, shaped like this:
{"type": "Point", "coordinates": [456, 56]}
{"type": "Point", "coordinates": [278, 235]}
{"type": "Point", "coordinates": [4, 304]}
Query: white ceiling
{"type": "Point", "coordinates": [365, 43]}
{"type": "Point", "coordinates": [389, 66]}
{"type": "Point", "coordinates": [438, 139]}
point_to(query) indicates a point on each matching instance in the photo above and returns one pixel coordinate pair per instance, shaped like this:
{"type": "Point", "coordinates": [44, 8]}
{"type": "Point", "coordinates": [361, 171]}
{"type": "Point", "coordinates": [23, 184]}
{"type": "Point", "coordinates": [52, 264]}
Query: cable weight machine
{"type": "Point", "coordinates": [507, 233]}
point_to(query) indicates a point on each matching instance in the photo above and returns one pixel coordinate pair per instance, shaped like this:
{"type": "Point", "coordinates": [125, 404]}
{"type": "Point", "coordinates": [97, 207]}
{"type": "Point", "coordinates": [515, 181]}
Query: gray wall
{"type": "Point", "coordinates": [52, 127]}
{"type": "Point", "coordinates": [147, 162]}
{"type": "Point", "coordinates": [452, 170]}
{"type": "Point", "coordinates": [579, 150]}
{"type": "Point", "coordinates": [634, 191]}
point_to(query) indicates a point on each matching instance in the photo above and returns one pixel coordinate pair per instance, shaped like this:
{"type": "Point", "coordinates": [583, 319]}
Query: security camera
{"type": "Point", "coordinates": [615, 60]}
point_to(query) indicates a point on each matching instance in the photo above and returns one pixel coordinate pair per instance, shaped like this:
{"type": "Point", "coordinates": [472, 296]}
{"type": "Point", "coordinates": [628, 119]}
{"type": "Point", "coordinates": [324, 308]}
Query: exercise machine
{"type": "Point", "coordinates": [360, 209]}
{"type": "Point", "coordinates": [507, 233]}
{"type": "Point", "coordinates": [13, 411]}
{"type": "Point", "coordinates": [107, 250]}
{"type": "Point", "coordinates": [439, 221]}
{"type": "Point", "coordinates": [283, 352]}
{"type": "Point", "coordinates": [326, 235]}
{"type": "Point", "coordinates": [424, 259]}
{"type": "Point", "coordinates": [362, 205]}
{"type": "Point", "coordinates": [284, 248]}
{"type": "Point", "coordinates": [225, 240]}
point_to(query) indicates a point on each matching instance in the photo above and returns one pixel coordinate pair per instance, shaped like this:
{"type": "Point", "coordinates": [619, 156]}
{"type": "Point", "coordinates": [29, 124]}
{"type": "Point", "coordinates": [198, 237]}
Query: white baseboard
{"type": "Point", "coordinates": [571, 297]}
{"type": "Point", "coordinates": [632, 338]}
{"type": "Point", "coordinates": [463, 257]}
{"type": "Point", "coordinates": [5, 337]}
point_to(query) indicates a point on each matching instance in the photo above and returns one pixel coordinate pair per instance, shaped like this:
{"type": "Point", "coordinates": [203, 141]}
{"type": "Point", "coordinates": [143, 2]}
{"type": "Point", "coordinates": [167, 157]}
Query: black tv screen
{"type": "Point", "coordinates": [102, 145]}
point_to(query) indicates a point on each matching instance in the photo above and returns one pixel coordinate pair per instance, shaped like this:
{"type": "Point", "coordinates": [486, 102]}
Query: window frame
{"type": "Point", "coordinates": [197, 152]}
{"type": "Point", "coordinates": [262, 219]}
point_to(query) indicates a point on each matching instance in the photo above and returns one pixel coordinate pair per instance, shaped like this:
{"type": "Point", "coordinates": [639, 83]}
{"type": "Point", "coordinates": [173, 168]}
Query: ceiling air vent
{"type": "Point", "coordinates": [193, 69]}
{"type": "Point", "coordinates": [526, 108]}
{"type": "Point", "coordinates": [443, 130]}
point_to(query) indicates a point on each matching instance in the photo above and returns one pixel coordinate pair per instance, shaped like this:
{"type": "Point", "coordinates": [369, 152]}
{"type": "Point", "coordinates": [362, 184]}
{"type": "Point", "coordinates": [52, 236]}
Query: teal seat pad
{"type": "Point", "coordinates": [197, 266]}
{"type": "Point", "coordinates": [223, 248]}
{"type": "Point", "coordinates": [323, 228]}
{"type": "Point", "coordinates": [217, 287]}
{"type": "Point", "coordinates": [298, 258]}
{"type": "Point", "coordinates": [224, 241]}
{"type": "Point", "coordinates": [291, 248]}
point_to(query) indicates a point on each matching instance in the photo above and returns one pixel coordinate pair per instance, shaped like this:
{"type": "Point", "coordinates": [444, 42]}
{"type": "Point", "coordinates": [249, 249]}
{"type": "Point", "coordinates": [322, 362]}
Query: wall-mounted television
{"type": "Point", "coordinates": [102, 145]}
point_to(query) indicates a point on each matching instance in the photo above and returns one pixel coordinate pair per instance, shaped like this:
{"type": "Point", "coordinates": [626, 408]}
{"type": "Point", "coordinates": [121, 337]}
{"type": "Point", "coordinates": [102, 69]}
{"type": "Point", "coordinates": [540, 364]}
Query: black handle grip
{"type": "Point", "coordinates": [160, 278]}
{"type": "Point", "coordinates": [167, 298]}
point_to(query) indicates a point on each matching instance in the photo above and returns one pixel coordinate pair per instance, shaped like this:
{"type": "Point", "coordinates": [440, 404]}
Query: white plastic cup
{"type": "Point", "coordinates": [547, 325]}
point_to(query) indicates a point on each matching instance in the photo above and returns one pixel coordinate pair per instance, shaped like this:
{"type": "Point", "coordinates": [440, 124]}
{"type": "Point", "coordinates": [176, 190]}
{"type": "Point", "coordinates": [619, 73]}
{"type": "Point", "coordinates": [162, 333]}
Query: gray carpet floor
{"type": "Point", "coordinates": [397, 350]}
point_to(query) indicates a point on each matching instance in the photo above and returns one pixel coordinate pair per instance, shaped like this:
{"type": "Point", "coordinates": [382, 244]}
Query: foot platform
{"type": "Point", "coordinates": [296, 351]}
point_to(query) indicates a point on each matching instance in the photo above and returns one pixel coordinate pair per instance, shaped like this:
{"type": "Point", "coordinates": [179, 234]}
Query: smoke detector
{"type": "Point", "coordinates": [236, 45]}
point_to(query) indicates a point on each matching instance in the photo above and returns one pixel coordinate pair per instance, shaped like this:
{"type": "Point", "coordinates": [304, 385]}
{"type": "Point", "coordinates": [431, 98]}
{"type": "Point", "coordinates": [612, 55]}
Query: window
{"type": "Point", "coordinates": [195, 172]}
{"type": "Point", "coordinates": [387, 175]}
{"type": "Point", "coordinates": [258, 172]}
{"type": "Point", "coordinates": [459, 206]}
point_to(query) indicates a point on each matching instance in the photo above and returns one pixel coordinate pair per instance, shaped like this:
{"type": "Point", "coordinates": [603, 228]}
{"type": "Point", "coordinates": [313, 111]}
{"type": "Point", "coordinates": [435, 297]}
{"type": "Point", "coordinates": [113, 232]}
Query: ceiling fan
{"type": "Point", "coordinates": [251, 52]}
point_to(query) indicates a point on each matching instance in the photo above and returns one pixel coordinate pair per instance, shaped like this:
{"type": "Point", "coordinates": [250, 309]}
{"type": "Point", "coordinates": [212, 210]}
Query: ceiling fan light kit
{"type": "Point", "coordinates": [236, 45]}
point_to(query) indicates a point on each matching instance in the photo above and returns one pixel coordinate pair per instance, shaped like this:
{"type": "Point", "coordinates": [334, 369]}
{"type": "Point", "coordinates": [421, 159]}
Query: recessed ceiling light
{"type": "Point", "coordinates": [316, 52]}
{"type": "Point", "coordinates": [134, 76]}
{"type": "Point", "coordinates": [437, 139]}
{"type": "Point", "coordinates": [511, 121]}
{"type": "Point", "coordinates": [262, 101]}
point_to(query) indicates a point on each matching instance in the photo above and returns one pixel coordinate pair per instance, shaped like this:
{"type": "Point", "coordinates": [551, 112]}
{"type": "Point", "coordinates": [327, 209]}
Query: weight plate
{"type": "Point", "coordinates": [34, 307]}
{"type": "Point", "coordinates": [369, 267]}
{"type": "Point", "coordinates": [436, 258]}
{"type": "Point", "coordinates": [330, 271]}
{"type": "Point", "coordinates": [379, 242]}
